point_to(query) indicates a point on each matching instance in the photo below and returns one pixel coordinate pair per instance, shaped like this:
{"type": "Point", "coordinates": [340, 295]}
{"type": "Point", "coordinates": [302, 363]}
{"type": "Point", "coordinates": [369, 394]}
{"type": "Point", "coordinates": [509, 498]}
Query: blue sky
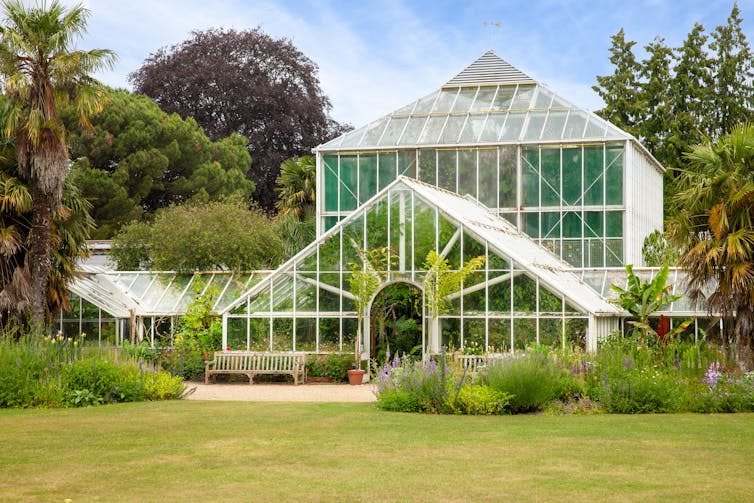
{"type": "Point", "coordinates": [375, 57]}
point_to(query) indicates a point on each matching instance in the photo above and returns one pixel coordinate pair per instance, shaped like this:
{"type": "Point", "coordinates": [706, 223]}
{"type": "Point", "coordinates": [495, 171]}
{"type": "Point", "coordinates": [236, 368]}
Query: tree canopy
{"type": "Point", "coordinates": [223, 235]}
{"type": "Point", "coordinates": [243, 82]}
{"type": "Point", "coordinates": [135, 159]}
{"type": "Point", "coordinates": [677, 98]}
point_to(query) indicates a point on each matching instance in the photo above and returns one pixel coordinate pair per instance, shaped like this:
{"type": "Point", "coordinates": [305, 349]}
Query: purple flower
{"type": "Point", "coordinates": [712, 375]}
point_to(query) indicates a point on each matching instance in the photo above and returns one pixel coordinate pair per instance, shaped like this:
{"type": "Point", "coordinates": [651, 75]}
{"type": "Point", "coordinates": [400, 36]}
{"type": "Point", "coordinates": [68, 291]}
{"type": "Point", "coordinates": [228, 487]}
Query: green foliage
{"type": "Point", "coordinates": [107, 381]}
{"type": "Point", "coordinates": [197, 237]}
{"type": "Point", "coordinates": [137, 159]}
{"type": "Point", "coordinates": [440, 281]}
{"type": "Point", "coordinates": [481, 400]}
{"type": "Point", "coordinates": [297, 186]}
{"type": "Point", "coordinates": [417, 386]}
{"type": "Point", "coordinates": [162, 386]}
{"type": "Point", "coordinates": [334, 366]}
{"type": "Point", "coordinates": [657, 251]}
{"type": "Point", "coordinates": [532, 382]}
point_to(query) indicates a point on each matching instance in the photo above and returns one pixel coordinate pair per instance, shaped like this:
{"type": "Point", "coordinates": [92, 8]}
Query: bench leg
{"type": "Point", "coordinates": [206, 377]}
{"type": "Point", "coordinates": [251, 378]}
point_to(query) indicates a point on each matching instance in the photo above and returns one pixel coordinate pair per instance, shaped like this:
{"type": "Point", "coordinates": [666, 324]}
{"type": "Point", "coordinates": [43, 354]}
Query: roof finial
{"type": "Point", "coordinates": [493, 28]}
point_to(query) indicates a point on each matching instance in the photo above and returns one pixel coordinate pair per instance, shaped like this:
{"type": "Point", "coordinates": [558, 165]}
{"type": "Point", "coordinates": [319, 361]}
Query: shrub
{"type": "Point", "coordinates": [398, 401]}
{"type": "Point", "coordinates": [640, 391]}
{"type": "Point", "coordinates": [426, 383]}
{"type": "Point", "coordinates": [479, 399]}
{"type": "Point", "coordinates": [531, 381]}
{"type": "Point", "coordinates": [162, 386]}
{"type": "Point", "coordinates": [107, 381]}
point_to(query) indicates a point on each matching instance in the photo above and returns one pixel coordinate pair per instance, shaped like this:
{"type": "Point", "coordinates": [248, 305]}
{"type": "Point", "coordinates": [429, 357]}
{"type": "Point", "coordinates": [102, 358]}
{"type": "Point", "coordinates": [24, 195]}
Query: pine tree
{"type": "Point", "coordinates": [620, 91]}
{"type": "Point", "coordinates": [733, 95]}
{"type": "Point", "coordinates": [654, 117]}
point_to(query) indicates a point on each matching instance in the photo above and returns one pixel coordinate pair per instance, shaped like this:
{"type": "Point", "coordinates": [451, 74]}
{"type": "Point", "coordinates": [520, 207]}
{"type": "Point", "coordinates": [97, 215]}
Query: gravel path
{"type": "Point", "coordinates": [242, 392]}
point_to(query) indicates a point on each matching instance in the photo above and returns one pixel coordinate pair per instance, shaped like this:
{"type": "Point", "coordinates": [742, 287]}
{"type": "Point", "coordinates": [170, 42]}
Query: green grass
{"type": "Point", "coordinates": [213, 451]}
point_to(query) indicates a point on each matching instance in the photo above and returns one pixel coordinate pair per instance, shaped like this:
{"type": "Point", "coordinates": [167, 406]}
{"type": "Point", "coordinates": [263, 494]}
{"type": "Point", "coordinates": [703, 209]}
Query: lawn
{"type": "Point", "coordinates": [214, 451]}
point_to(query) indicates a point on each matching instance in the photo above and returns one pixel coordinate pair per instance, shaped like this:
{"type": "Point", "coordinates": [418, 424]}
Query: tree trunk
{"type": "Point", "coordinates": [39, 259]}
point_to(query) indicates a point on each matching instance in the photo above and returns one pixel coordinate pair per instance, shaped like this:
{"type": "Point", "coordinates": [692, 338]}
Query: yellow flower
{"type": "Point", "coordinates": [82, 334]}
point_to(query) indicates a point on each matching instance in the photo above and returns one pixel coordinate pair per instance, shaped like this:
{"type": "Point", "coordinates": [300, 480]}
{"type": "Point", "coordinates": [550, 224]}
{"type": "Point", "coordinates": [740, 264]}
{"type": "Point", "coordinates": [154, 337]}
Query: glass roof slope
{"type": "Point", "coordinates": [147, 293]}
{"type": "Point", "coordinates": [602, 279]}
{"type": "Point", "coordinates": [480, 224]}
{"type": "Point", "coordinates": [483, 104]}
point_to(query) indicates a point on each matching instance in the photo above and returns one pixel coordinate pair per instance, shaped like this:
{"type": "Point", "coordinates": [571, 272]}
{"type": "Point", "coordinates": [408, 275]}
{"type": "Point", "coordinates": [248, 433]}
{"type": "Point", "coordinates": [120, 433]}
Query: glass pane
{"type": "Point", "coordinates": [427, 166]}
{"type": "Point", "coordinates": [413, 129]}
{"type": "Point", "coordinates": [575, 124]}
{"type": "Point", "coordinates": [492, 128]}
{"type": "Point", "coordinates": [550, 333]}
{"type": "Point", "coordinates": [473, 128]}
{"type": "Point", "coordinates": [282, 334]}
{"type": "Point", "coordinates": [531, 224]}
{"type": "Point", "coordinates": [467, 172]}
{"type": "Point", "coordinates": [329, 335]}
{"type": "Point", "coordinates": [524, 333]}
{"type": "Point", "coordinates": [488, 177]}
{"type": "Point", "coordinates": [499, 336]}
{"type": "Point", "coordinates": [330, 163]}
{"type": "Point", "coordinates": [530, 168]}
{"type": "Point", "coordinates": [571, 225]}
{"type": "Point", "coordinates": [367, 177]}
{"type": "Point", "coordinates": [387, 169]}
{"type": "Point", "coordinates": [614, 174]}
{"type": "Point", "coordinates": [554, 126]}
{"type": "Point", "coordinates": [523, 98]}
{"type": "Point", "coordinates": [534, 129]}
{"type": "Point", "coordinates": [513, 125]}
{"type": "Point", "coordinates": [393, 131]}
{"type": "Point", "coordinates": [451, 333]}
{"type": "Point", "coordinates": [452, 129]}
{"type": "Point", "coordinates": [593, 180]}
{"type": "Point", "coordinates": [446, 169]}
{"type": "Point", "coordinates": [445, 101]}
{"type": "Point", "coordinates": [348, 182]}
{"type": "Point", "coordinates": [594, 129]}
{"type": "Point", "coordinates": [503, 98]}
{"type": "Point", "coordinates": [524, 294]}
{"type": "Point", "coordinates": [507, 177]}
{"type": "Point", "coordinates": [614, 224]}
{"type": "Point", "coordinates": [575, 332]}
{"type": "Point", "coordinates": [549, 302]}
{"type": "Point", "coordinates": [473, 334]}
{"type": "Point", "coordinates": [572, 175]}
{"type": "Point", "coordinates": [544, 98]}
{"type": "Point", "coordinates": [484, 98]}
{"type": "Point", "coordinates": [465, 99]}
{"type": "Point", "coordinates": [550, 159]}
{"type": "Point", "coordinates": [594, 225]}
{"type": "Point", "coordinates": [432, 131]}
{"type": "Point", "coordinates": [550, 225]}
{"type": "Point", "coordinates": [306, 334]}
{"type": "Point", "coordinates": [374, 132]}
{"type": "Point", "coordinates": [425, 104]}
{"type": "Point", "coordinates": [407, 163]}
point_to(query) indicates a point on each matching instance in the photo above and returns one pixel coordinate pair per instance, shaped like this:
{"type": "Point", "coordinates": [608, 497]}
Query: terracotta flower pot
{"type": "Point", "coordinates": [355, 377]}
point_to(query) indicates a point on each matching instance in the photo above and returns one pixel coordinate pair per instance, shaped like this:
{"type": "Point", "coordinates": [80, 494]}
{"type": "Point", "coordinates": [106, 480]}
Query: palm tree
{"type": "Point", "coordinates": [713, 227]}
{"type": "Point", "coordinates": [297, 186]}
{"type": "Point", "coordinates": [41, 72]}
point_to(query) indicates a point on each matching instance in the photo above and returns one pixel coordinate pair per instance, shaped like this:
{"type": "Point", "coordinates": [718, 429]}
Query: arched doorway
{"type": "Point", "coordinates": [395, 320]}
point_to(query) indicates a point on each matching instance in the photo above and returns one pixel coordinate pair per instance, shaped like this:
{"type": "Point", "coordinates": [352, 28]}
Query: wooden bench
{"type": "Point", "coordinates": [474, 363]}
{"type": "Point", "coordinates": [251, 363]}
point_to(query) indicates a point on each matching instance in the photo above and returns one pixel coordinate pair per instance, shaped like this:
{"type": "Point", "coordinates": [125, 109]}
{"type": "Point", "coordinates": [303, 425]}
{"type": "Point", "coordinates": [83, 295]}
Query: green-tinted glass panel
{"type": "Point", "coordinates": [329, 300]}
{"type": "Point", "coordinates": [550, 176]}
{"type": "Point", "coordinates": [550, 225]}
{"type": "Point", "coordinates": [424, 232]}
{"type": "Point", "coordinates": [413, 130]}
{"type": "Point", "coordinates": [503, 98]}
{"type": "Point", "coordinates": [484, 98]}
{"type": "Point", "coordinates": [511, 217]}
{"type": "Point", "coordinates": [367, 177]}
{"type": "Point", "coordinates": [451, 333]}
{"type": "Point", "coordinates": [614, 224]}
{"type": "Point", "coordinates": [407, 163]}
{"type": "Point", "coordinates": [507, 179]}
{"type": "Point", "coordinates": [387, 169]}
{"type": "Point", "coordinates": [614, 174]}
{"type": "Point", "coordinates": [393, 131]}
{"type": "Point", "coordinates": [473, 128]}
{"type": "Point", "coordinates": [467, 172]}
{"type": "Point", "coordinates": [377, 225]}
{"type": "Point", "coordinates": [614, 255]}
{"type": "Point", "coordinates": [306, 293]}
{"type": "Point", "coordinates": [464, 100]}
{"type": "Point", "coordinates": [329, 334]}
{"type": "Point", "coordinates": [571, 225]}
{"type": "Point", "coordinates": [488, 177]}
{"type": "Point", "coordinates": [330, 222]}
{"type": "Point", "coordinates": [550, 332]}
{"type": "Point", "coordinates": [474, 303]}
{"type": "Point", "coordinates": [448, 234]}
{"type": "Point", "coordinates": [524, 333]}
{"type": "Point", "coordinates": [497, 263]}
{"type": "Point", "coordinates": [499, 337]}
{"type": "Point", "coordinates": [353, 239]}
{"type": "Point", "coordinates": [594, 253]}
{"type": "Point", "coordinates": [492, 128]}
{"type": "Point", "coordinates": [452, 129]}
{"type": "Point", "coordinates": [471, 248]}
{"type": "Point", "coordinates": [428, 166]}
{"type": "Point", "coordinates": [282, 293]}
{"type": "Point", "coordinates": [348, 182]}
{"type": "Point", "coordinates": [330, 165]}
{"type": "Point", "coordinates": [282, 334]}
{"type": "Point", "coordinates": [524, 294]}
{"type": "Point", "coordinates": [572, 175]}
{"type": "Point", "coordinates": [549, 302]}
{"type": "Point", "coordinates": [500, 294]}
{"type": "Point", "coordinates": [593, 179]}
{"type": "Point", "coordinates": [593, 224]}
{"type": "Point", "coordinates": [530, 165]}
{"type": "Point", "coordinates": [531, 224]}
{"type": "Point", "coordinates": [575, 332]}
{"type": "Point", "coordinates": [446, 169]}
{"type": "Point", "coordinates": [329, 254]}
{"type": "Point", "coordinates": [306, 334]}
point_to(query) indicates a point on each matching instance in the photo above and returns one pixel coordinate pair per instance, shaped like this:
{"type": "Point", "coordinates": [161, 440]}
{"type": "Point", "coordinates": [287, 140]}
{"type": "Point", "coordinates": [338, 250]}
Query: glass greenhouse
{"type": "Point", "coordinates": [492, 164]}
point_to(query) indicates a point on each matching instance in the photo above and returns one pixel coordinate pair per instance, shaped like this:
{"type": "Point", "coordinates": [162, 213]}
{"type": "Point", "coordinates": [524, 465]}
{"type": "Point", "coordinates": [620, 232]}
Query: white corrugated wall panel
{"type": "Point", "coordinates": [643, 202]}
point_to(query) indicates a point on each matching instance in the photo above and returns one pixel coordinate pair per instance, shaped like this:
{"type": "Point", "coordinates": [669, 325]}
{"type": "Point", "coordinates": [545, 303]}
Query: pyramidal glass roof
{"type": "Point", "coordinates": [482, 225]}
{"type": "Point", "coordinates": [488, 102]}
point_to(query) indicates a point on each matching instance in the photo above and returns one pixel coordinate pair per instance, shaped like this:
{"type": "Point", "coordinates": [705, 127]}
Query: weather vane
{"type": "Point", "coordinates": [493, 28]}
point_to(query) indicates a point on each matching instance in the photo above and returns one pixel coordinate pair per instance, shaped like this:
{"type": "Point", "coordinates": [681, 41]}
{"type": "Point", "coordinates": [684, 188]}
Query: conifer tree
{"type": "Point", "coordinates": [654, 117]}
